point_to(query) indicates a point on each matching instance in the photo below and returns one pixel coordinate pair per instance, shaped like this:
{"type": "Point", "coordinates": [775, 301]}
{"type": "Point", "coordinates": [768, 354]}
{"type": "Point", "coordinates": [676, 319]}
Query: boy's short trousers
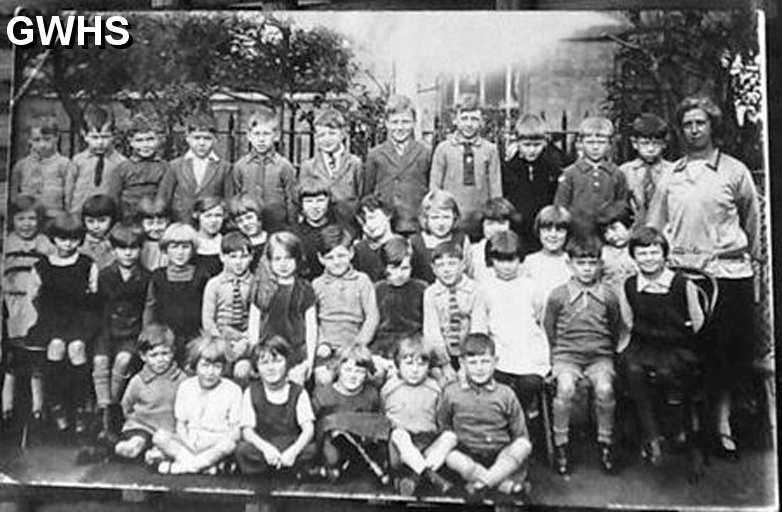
{"type": "Point", "coordinates": [591, 370]}
{"type": "Point", "coordinates": [421, 440]}
{"type": "Point", "coordinates": [24, 361]}
{"type": "Point", "coordinates": [126, 435]}
{"type": "Point", "coordinates": [326, 355]}
{"type": "Point", "coordinates": [485, 457]}
{"type": "Point", "coordinates": [110, 347]}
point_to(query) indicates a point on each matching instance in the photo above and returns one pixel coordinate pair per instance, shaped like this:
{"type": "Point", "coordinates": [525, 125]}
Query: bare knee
{"type": "Point", "coordinates": [566, 388]}
{"type": "Point", "coordinates": [604, 390]}
{"type": "Point", "coordinates": [55, 350]}
{"type": "Point", "coordinates": [121, 363]}
{"type": "Point", "coordinates": [162, 437]}
{"type": "Point", "coordinates": [77, 353]}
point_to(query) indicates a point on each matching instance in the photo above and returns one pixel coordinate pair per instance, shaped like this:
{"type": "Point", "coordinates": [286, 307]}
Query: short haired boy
{"type": "Point", "coordinates": [593, 183]}
{"type": "Point", "coordinates": [398, 169]}
{"type": "Point", "coordinates": [466, 164]}
{"type": "Point", "coordinates": [648, 138]}
{"type": "Point", "coordinates": [345, 301]}
{"type": "Point", "coordinates": [265, 174]}
{"type": "Point", "coordinates": [148, 402]}
{"type": "Point", "coordinates": [453, 308]}
{"type": "Point", "coordinates": [334, 164]}
{"type": "Point", "coordinates": [316, 215]}
{"type": "Point", "coordinates": [93, 166]}
{"type": "Point", "coordinates": [583, 324]}
{"type": "Point", "coordinates": [142, 173]}
{"type": "Point", "coordinates": [199, 172]}
{"type": "Point", "coordinates": [487, 419]}
{"type": "Point", "coordinates": [43, 173]}
{"type": "Point", "coordinates": [529, 176]}
{"type": "Point", "coordinates": [374, 216]}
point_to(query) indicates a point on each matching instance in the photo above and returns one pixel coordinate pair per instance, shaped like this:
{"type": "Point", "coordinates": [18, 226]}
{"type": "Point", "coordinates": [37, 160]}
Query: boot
{"type": "Point", "coordinates": [107, 435]}
{"type": "Point", "coordinates": [561, 463]}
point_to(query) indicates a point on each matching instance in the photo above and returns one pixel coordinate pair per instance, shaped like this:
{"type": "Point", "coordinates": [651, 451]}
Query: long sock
{"type": "Point", "coordinates": [118, 381]}
{"type": "Point", "coordinates": [81, 385]}
{"type": "Point", "coordinates": [57, 380]}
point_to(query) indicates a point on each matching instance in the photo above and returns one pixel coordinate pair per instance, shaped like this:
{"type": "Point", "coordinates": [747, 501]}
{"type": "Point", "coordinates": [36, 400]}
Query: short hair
{"type": "Point", "coordinates": [584, 247]}
{"type": "Point", "coordinates": [235, 241]}
{"type": "Point", "coordinates": [263, 116]}
{"type": "Point", "coordinates": [141, 123]}
{"type": "Point", "coordinates": [99, 205]}
{"type": "Point", "coordinates": [447, 249]}
{"type": "Point", "coordinates": [646, 236]}
{"type": "Point", "coordinates": [274, 345]}
{"type": "Point", "coordinates": [333, 236]}
{"type": "Point", "coordinates": [206, 203]}
{"type": "Point", "coordinates": [503, 246]}
{"type": "Point", "coordinates": [438, 200]}
{"type": "Point", "coordinates": [65, 225]}
{"type": "Point", "coordinates": [154, 335]}
{"type": "Point", "coordinates": [650, 126]}
{"type": "Point", "coordinates": [179, 233]}
{"type": "Point", "coordinates": [398, 104]}
{"type": "Point", "coordinates": [499, 209]}
{"type": "Point", "coordinates": [373, 202]}
{"type": "Point", "coordinates": [242, 203]}
{"type": "Point", "coordinates": [125, 235]}
{"type": "Point", "coordinates": [468, 103]}
{"type": "Point", "coordinates": [200, 122]}
{"type": "Point", "coordinates": [359, 353]}
{"type": "Point", "coordinates": [395, 250]}
{"type": "Point", "coordinates": [97, 118]}
{"type": "Point", "coordinates": [151, 206]}
{"type": "Point", "coordinates": [289, 242]}
{"type": "Point", "coordinates": [25, 203]}
{"type": "Point", "coordinates": [45, 123]}
{"type": "Point", "coordinates": [553, 216]}
{"type": "Point", "coordinates": [477, 344]}
{"type": "Point", "coordinates": [704, 103]}
{"type": "Point", "coordinates": [531, 127]}
{"type": "Point", "coordinates": [211, 348]}
{"type": "Point", "coordinates": [619, 211]}
{"type": "Point", "coordinates": [330, 117]}
{"type": "Point", "coordinates": [412, 344]}
{"type": "Point", "coordinates": [596, 125]}
{"type": "Point", "coordinates": [313, 188]}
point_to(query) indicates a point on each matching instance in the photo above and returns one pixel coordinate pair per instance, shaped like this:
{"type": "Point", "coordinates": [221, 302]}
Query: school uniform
{"type": "Point", "coordinates": [412, 409]}
{"type": "Point", "coordinates": [285, 316]}
{"type": "Point", "coordinates": [90, 176]}
{"type": "Point", "coordinates": [642, 179]}
{"type": "Point", "coordinates": [401, 313]}
{"type": "Point", "coordinates": [343, 304]}
{"type": "Point", "coordinates": [148, 402]}
{"type": "Point", "coordinates": [123, 308]}
{"type": "Point", "coordinates": [135, 178]}
{"type": "Point", "coordinates": [191, 178]}
{"type": "Point", "coordinates": [310, 238]}
{"type": "Point", "coordinates": [343, 173]}
{"type": "Point", "coordinates": [400, 178]}
{"type": "Point", "coordinates": [226, 302]}
{"type": "Point", "coordinates": [44, 178]}
{"type": "Point", "coordinates": [271, 180]}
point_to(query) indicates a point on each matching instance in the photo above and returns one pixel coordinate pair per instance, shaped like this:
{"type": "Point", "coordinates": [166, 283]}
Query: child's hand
{"type": "Point", "coordinates": [272, 456]}
{"type": "Point", "coordinates": [449, 374]}
{"type": "Point", "coordinates": [299, 373]}
{"type": "Point", "coordinates": [240, 347]}
{"type": "Point", "coordinates": [288, 458]}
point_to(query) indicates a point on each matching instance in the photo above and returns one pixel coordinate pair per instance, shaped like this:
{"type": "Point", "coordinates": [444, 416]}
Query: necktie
{"type": "Point", "coordinates": [454, 319]}
{"type": "Point", "coordinates": [468, 164]}
{"type": "Point", "coordinates": [238, 312]}
{"type": "Point", "coordinates": [98, 178]}
{"type": "Point", "coordinates": [331, 162]}
{"type": "Point", "coordinates": [648, 186]}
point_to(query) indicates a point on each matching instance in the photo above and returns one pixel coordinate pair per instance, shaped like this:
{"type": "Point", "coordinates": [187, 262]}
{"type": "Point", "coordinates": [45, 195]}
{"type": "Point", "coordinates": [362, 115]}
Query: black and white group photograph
{"type": "Point", "coordinates": [343, 260]}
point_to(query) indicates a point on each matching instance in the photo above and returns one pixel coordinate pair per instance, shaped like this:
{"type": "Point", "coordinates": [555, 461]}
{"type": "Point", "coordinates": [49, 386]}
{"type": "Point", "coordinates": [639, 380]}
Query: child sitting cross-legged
{"type": "Point", "coordinates": [277, 418]}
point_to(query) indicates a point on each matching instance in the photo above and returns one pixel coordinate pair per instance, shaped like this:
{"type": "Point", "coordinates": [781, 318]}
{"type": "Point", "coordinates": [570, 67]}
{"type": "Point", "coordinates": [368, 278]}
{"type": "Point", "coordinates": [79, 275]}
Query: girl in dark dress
{"type": "Point", "coordinates": [208, 215]}
{"type": "Point", "coordinates": [64, 286]}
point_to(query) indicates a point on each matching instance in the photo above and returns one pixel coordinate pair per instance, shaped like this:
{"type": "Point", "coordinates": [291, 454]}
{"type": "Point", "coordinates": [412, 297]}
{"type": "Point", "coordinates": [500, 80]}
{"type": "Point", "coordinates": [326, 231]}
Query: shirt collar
{"type": "Point", "coordinates": [458, 140]}
{"type": "Point", "coordinates": [464, 284]}
{"type": "Point", "coordinates": [267, 158]}
{"type": "Point", "coordinates": [712, 162]}
{"type": "Point", "coordinates": [337, 153]}
{"type": "Point", "coordinates": [211, 156]}
{"type": "Point", "coordinates": [584, 166]}
{"type": "Point", "coordinates": [350, 275]}
{"type": "Point", "coordinates": [106, 154]}
{"type": "Point", "coordinates": [465, 384]}
{"type": "Point", "coordinates": [577, 289]}
{"type": "Point", "coordinates": [147, 375]}
{"type": "Point", "coordinates": [153, 158]}
{"type": "Point", "coordinates": [664, 280]}
{"type": "Point", "coordinates": [227, 277]}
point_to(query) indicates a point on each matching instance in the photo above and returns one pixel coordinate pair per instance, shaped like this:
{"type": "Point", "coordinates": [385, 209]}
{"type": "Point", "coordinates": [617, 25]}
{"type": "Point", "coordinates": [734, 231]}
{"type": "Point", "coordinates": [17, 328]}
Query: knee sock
{"type": "Point", "coordinates": [56, 383]}
{"type": "Point", "coordinates": [81, 385]}
{"type": "Point", "coordinates": [561, 412]}
{"type": "Point", "coordinates": [118, 381]}
{"type": "Point", "coordinates": [604, 410]}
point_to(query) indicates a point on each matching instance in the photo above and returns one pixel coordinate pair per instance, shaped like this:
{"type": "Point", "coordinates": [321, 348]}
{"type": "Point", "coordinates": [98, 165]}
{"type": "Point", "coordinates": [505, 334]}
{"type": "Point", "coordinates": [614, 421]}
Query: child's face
{"type": "Point", "coordinates": [650, 150]}
{"type": "Point", "coordinates": [42, 144]}
{"type": "Point", "coordinates": [154, 226]}
{"type": "Point", "coordinates": [376, 224]}
{"type": "Point", "coordinates": [493, 226]}
{"type": "Point", "coordinates": [144, 144]}
{"type": "Point", "coordinates": [530, 149]}
{"type": "Point", "coordinates": [448, 269]}
{"type": "Point", "coordinates": [97, 227]}
{"type": "Point", "coordinates": [200, 142]}
{"type": "Point", "coordinates": [315, 208]}
{"type": "Point", "coordinates": [179, 253]}
{"type": "Point", "coordinates": [127, 257]}
{"type": "Point", "coordinates": [248, 223]}
{"type": "Point", "coordinates": [468, 122]}
{"type": "Point", "coordinates": [25, 224]}
{"type": "Point", "coordinates": [553, 238]}
{"type": "Point", "coordinates": [616, 234]}
{"type": "Point", "coordinates": [337, 261]}
{"type": "Point", "coordinates": [506, 269]}
{"type": "Point", "coordinates": [66, 246]}
{"type": "Point", "coordinates": [158, 358]}
{"type": "Point", "coordinates": [211, 220]}
{"type": "Point", "coordinates": [440, 222]}
{"type": "Point", "coordinates": [351, 376]}
{"type": "Point", "coordinates": [585, 269]}
{"type": "Point", "coordinates": [283, 264]}
{"type": "Point", "coordinates": [208, 372]}
{"type": "Point", "coordinates": [328, 139]}
{"type": "Point", "coordinates": [479, 368]}
{"type": "Point", "coordinates": [595, 146]}
{"type": "Point", "coordinates": [236, 262]}
{"type": "Point", "coordinates": [262, 137]}
{"type": "Point", "coordinates": [400, 126]}
{"type": "Point", "coordinates": [399, 274]}
{"type": "Point", "coordinates": [650, 259]}
{"type": "Point", "coordinates": [413, 368]}
{"type": "Point", "coordinates": [98, 141]}
{"type": "Point", "coordinates": [272, 368]}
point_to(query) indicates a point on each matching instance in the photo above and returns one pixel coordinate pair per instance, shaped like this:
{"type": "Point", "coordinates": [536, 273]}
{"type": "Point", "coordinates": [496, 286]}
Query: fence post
{"type": "Point", "coordinates": [231, 138]}
{"type": "Point", "coordinates": [292, 134]}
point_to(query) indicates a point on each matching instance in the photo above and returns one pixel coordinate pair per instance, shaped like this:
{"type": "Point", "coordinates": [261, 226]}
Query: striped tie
{"type": "Point", "coordinates": [454, 336]}
{"type": "Point", "coordinates": [238, 311]}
